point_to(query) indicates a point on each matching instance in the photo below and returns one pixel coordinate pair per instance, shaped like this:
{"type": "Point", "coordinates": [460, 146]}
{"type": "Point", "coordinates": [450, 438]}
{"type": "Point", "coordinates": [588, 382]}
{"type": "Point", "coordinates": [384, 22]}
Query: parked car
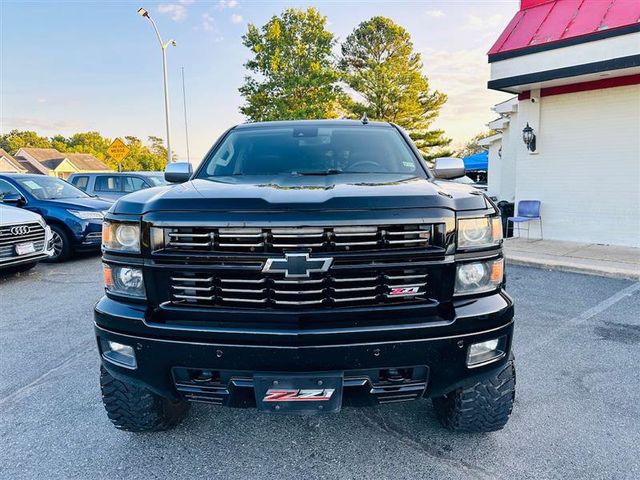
{"type": "Point", "coordinates": [25, 239]}
{"type": "Point", "coordinates": [304, 266]}
{"type": "Point", "coordinates": [75, 218]}
{"type": "Point", "coordinates": [113, 185]}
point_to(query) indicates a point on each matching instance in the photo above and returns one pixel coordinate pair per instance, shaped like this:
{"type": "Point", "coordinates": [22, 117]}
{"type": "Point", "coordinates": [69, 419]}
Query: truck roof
{"type": "Point", "coordinates": [313, 123]}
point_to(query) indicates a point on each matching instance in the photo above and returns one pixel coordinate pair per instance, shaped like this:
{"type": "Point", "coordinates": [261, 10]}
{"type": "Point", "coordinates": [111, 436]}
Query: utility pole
{"type": "Point", "coordinates": [143, 13]}
{"type": "Point", "coordinates": [186, 126]}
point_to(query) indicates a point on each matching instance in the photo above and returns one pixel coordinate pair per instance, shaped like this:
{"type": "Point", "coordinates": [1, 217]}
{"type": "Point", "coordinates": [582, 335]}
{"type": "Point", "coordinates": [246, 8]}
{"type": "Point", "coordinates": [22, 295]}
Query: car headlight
{"type": "Point", "coordinates": [479, 277]}
{"type": "Point", "coordinates": [87, 214]}
{"type": "Point", "coordinates": [121, 236]}
{"type": "Point", "coordinates": [479, 232]}
{"type": "Point", "coordinates": [123, 280]}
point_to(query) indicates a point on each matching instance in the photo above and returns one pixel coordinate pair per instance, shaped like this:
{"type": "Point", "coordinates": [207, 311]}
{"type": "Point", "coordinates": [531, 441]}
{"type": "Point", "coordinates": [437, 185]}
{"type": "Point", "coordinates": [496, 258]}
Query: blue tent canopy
{"type": "Point", "coordinates": [477, 161]}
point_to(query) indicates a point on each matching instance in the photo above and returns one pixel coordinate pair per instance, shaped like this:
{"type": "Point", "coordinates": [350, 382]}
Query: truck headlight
{"type": "Point", "coordinates": [123, 280]}
{"type": "Point", "coordinates": [479, 232]}
{"type": "Point", "coordinates": [478, 277]}
{"type": "Point", "coordinates": [121, 236]}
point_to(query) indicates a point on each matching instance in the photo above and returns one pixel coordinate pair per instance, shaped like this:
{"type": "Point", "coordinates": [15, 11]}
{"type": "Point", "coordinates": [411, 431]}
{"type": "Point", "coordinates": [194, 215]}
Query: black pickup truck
{"type": "Point", "coordinates": [305, 266]}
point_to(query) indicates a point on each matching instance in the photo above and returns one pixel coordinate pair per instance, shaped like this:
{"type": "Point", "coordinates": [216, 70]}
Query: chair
{"type": "Point", "coordinates": [528, 211]}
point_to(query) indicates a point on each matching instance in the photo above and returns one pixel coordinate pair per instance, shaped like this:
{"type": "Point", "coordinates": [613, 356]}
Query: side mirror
{"type": "Point", "coordinates": [449, 167]}
{"type": "Point", "coordinates": [178, 172]}
{"type": "Point", "coordinates": [12, 199]}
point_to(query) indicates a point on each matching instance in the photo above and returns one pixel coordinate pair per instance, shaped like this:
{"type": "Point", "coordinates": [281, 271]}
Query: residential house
{"type": "Point", "coordinates": [8, 164]}
{"type": "Point", "coordinates": [574, 68]}
{"type": "Point", "coordinates": [49, 161]}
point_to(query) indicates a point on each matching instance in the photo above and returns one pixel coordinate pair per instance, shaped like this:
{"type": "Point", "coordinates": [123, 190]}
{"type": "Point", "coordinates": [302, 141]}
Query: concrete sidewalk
{"type": "Point", "coordinates": [605, 260]}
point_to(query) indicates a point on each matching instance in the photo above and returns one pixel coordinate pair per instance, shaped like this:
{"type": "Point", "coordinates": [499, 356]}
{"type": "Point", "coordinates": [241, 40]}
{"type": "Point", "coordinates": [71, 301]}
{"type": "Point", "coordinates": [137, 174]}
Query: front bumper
{"type": "Point", "coordinates": [432, 354]}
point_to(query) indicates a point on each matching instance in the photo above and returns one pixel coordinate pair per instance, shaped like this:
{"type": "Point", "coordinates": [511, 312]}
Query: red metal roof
{"type": "Point", "coordinates": [542, 21]}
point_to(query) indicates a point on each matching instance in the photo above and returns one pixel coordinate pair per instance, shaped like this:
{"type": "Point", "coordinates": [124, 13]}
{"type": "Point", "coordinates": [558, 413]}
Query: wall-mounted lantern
{"type": "Point", "coordinates": [529, 138]}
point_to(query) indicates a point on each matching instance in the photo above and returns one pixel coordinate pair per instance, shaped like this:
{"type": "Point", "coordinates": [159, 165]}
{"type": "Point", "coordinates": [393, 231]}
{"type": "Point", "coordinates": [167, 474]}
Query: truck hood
{"type": "Point", "coordinates": [290, 192]}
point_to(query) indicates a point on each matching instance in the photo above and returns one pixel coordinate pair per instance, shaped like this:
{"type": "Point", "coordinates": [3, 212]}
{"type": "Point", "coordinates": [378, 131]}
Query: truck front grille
{"type": "Point", "coordinates": [12, 235]}
{"type": "Point", "coordinates": [311, 239]}
{"type": "Point", "coordinates": [335, 288]}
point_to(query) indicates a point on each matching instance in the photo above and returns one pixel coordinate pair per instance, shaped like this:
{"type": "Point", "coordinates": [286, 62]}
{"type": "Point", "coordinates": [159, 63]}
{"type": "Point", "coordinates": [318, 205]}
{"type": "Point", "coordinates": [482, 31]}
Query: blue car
{"type": "Point", "coordinates": [75, 218]}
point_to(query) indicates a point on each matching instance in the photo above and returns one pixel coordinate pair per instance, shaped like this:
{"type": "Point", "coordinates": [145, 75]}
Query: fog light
{"type": "Point", "coordinates": [486, 352]}
{"type": "Point", "coordinates": [120, 354]}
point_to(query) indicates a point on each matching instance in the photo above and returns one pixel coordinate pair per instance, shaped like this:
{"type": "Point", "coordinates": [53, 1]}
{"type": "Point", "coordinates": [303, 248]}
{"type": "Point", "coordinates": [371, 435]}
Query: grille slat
{"type": "Point", "coordinates": [335, 288]}
{"type": "Point", "coordinates": [9, 240]}
{"type": "Point", "coordinates": [312, 239]}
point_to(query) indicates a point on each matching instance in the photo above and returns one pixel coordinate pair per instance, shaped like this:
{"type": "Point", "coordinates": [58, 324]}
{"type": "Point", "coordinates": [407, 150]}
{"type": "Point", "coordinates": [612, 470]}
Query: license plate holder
{"type": "Point", "coordinates": [25, 248]}
{"type": "Point", "coordinates": [299, 393]}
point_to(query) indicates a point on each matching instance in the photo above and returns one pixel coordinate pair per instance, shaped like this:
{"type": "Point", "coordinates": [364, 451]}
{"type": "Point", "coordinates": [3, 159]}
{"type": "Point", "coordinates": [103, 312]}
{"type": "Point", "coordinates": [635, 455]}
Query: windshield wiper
{"type": "Point", "coordinates": [329, 171]}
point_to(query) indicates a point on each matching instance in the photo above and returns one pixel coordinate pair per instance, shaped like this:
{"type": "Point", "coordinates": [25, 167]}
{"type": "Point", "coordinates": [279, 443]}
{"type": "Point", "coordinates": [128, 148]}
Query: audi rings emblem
{"type": "Point", "coordinates": [20, 230]}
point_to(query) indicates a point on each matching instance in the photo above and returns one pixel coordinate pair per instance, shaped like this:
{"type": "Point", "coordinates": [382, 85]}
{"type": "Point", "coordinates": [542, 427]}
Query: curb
{"type": "Point", "coordinates": [626, 274]}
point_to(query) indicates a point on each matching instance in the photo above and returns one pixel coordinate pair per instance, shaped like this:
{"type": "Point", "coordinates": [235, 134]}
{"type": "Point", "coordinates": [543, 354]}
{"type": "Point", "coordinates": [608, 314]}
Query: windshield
{"type": "Point", "coordinates": [156, 181]}
{"type": "Point", "coordinates": [312, 150]}
{"type": "Point", "coordinates": [50, 188]}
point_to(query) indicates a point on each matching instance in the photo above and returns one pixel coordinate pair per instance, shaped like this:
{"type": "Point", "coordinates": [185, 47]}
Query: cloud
{"type": "Point", "coordinates": [208, 22]}
{"type": "Point", "coordinates": [492, 22]}
{"type": "Point", "coordinates": [39, 124]}
{"type": "Point", "coordinates": [236, 18]}
{"type": "Point", "coordinates": [41, 100]}
{"type": "Point", "coordinates": [176, 12]}
{"type": "Point", "coordinates": [222, 4]}
{"type": "Point", "coordinates": [434, 13]}
{"type": "Point", "coordinates": [463, 76]}
{"type": "Point", "coordinates": [186, 2]}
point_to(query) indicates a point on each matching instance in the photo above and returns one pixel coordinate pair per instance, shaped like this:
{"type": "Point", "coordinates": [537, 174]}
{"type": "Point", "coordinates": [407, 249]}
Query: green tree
{"type": "Point", "coordinates": [14, 140]}
{"type": "Point", "coordinates": [472, 147]}
{"type": "Point", "coordinates": [294, 76]}
{"type": "Point", "coordinates": [378, 63]}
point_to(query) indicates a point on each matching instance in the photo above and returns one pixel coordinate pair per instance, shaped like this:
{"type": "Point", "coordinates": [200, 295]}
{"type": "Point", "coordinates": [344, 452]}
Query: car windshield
{"type": "Point", "coordinates": [312, 150]}
{"type": "Point", "coordinates": [50, 188]}
{"type": "Point", "coordinates": [157, 180]}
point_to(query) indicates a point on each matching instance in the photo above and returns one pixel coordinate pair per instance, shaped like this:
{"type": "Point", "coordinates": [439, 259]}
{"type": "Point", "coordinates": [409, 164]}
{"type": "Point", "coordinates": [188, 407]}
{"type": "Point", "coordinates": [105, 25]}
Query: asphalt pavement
{"type": "Point", "coordinates": [577, 411]}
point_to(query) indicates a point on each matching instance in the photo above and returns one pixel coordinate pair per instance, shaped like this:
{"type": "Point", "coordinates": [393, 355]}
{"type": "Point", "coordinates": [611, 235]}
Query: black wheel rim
{"type": "Point", "coordinates": [57, 243]}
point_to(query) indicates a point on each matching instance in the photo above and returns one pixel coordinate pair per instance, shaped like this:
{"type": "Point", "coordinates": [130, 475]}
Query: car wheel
{"type": "Point", "coordinates": [61, 245]}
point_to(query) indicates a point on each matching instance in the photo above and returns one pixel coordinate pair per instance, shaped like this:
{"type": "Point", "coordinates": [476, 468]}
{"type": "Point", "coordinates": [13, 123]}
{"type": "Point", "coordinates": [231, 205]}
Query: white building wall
{"type": "Point", "coordinates": [508, 163]}
{"type": "Point", "coordinates": [587, 171]}
{"type": "Point", "coordinates": [494, 169]}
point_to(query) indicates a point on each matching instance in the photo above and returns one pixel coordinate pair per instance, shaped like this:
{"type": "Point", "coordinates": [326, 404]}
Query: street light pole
{"type": "Point", "coordinates": [143, 13]}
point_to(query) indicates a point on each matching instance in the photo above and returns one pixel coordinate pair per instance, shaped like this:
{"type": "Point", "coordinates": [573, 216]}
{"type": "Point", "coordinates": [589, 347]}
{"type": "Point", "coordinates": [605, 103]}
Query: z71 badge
{"type": "Point", "coordinates": [403, 291]}
{"type": "Point", "coordinates": [300, 395]}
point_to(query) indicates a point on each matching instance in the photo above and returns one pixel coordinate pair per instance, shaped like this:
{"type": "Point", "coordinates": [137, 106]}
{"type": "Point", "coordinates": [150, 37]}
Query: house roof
{"type": "Point", "coordinates": [52, 163]}
{"type": "Point", "coordinates": [541, 22]}
{"type": "Point", "coordinates": [29, 167]}
{"type": "Point", "coordinates": [41, 154]}
{"type": "Point", "coordinates": [86, 161]}
{"type": "Point", "coordinates": [10, 160]}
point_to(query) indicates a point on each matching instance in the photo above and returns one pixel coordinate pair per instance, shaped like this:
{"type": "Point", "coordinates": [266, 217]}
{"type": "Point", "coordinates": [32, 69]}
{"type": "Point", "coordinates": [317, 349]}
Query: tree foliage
{"type": "Point", "coordinates": [140, 157]}
{"type": "Point", "coordinates": [378, 63]}
{"type": "Point", "coordinates": [294, 76]}
{"type": "Point", "coordinates": [472, 147]}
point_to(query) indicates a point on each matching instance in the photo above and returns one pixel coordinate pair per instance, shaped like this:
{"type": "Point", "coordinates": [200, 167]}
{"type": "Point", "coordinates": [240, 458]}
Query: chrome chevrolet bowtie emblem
{"type": "Point", "coordinates": [297, 265]}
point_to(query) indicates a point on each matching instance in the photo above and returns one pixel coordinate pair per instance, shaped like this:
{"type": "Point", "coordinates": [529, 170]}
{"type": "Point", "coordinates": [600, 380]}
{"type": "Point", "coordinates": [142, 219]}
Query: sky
{"type": "Point", "coordinates": [72, 66]}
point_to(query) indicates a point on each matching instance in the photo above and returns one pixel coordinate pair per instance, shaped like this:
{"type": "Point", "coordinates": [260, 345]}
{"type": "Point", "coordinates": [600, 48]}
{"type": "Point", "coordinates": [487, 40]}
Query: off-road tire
{"type": "Point", "coordinates": [136, 409]}
{"type": "Point", "coordinates": [484, 407]}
